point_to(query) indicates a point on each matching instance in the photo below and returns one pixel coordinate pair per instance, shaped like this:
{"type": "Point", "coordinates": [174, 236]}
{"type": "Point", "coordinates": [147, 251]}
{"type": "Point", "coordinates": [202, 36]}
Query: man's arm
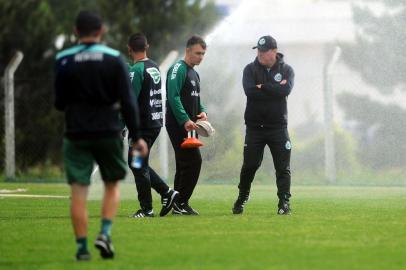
{"type": "Point", "coordinates": [59, 94]}
{"type": "Point", "coordinates": [250, 88]}
{"type": "Point", "coordinates": [176, 80]}
{"type": "Point", "coordinates": [283, 88]}
{"type": "Point", "coordinates": [137, 77]}
{"type": "Point", "coordinates": [129, 107]}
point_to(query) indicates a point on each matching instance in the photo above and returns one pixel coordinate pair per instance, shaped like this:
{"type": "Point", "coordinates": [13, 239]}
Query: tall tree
{"type": "Point", "coordinates": [34, 26]}
{"type": "Point", "coordinates": [378, 55]}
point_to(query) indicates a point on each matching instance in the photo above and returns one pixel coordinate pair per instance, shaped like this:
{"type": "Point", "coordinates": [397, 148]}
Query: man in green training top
{"type": "Point", "coordinates": [146, 81]}
{"type": "Point", "coordinates": [183, 109]}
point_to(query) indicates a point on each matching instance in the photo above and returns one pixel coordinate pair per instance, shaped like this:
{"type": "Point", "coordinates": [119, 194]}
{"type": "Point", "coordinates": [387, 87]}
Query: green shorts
{"type": "Point", "coordinates": [80, 156]}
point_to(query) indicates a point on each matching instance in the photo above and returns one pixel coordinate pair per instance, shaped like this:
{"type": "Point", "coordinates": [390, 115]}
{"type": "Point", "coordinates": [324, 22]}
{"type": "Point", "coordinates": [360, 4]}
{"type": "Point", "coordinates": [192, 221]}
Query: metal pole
{"type": "Point", "coordinates": [329, 141]}
{"type": "Point", "coordinates": [163, 140]}
{"type": "Point", "coordinates": [9, 114]}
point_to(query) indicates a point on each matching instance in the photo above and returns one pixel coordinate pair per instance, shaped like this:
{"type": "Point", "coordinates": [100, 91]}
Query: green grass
{"type": "Point", "coordinates": [330, 228]}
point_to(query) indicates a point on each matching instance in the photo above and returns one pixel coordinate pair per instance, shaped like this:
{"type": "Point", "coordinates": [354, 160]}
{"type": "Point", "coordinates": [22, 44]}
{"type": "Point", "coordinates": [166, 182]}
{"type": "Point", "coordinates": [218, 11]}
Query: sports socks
{"type": "Point", "coordinates": [81, 245]}
{"type": "Point", "coordinates": [106, 227]}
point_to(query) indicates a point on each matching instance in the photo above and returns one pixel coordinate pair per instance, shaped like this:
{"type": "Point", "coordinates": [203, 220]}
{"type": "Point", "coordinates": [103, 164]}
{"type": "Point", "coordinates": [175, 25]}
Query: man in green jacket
{"type": "Point", "coordinates": [184, 108]}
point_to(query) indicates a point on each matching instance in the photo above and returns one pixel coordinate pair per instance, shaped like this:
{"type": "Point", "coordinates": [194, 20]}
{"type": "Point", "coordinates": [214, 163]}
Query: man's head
{"type": "Point", "coordinates": [89, 24]}
{"type": "Point", "coordinates": [267, 50]}
{"type": "Point", "coordinates": [195, 50]}
{"type": "Point", "coordinates": [137, 43]}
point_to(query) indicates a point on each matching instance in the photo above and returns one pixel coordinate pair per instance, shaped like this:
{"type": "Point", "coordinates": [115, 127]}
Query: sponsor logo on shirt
{"type": "Point", "coordinates": [154, 92]}
{"type": "Point", "coordinates": [155, 103]}
{"type": "Point", "coordinates": [175, 70]}
{"type": "Point", "coordinates": [194, 93]}
{"type": "Point", "coordinates": [131, 75]}
{"type": "Point", "coordinates": [155, 74]}
{"type": "Point", "coordinates": [157, 115]}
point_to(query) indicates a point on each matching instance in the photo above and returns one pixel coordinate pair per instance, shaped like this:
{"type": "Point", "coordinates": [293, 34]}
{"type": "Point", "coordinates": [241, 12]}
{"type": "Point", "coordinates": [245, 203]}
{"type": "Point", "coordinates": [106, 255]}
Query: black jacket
{"type": "Point", "coordinates": [267, 107]}
{"type": "Point", "coordinates": [92, 87]}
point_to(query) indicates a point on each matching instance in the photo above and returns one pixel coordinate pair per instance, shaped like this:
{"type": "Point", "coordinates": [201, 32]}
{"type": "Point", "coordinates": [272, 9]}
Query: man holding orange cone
{"type": "Point", "coordinates": [184, 108]}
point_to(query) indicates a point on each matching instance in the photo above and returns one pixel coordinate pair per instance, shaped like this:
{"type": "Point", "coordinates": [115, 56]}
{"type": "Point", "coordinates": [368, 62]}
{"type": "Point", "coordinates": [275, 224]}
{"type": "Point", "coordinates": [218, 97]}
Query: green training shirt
{"type": "Point", "coordinates": [146, 82]}
{"type": "Point", "coordinates": [183, 94]}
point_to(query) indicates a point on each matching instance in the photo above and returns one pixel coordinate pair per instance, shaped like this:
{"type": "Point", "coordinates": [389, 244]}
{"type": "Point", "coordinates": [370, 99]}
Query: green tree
{"type": "Point", "coordinates": [378, 55]}
{"type": "Point", "coordinates": [33, 27]}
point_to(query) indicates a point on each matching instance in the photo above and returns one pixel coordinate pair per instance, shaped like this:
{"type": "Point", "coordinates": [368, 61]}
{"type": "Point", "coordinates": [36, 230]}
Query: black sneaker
{"type": "Point", "coordinates": [142, 214]}
{"type": "Point", "coordinates": [178, 209]}
{"type": "Point", "coordinates": [83, 256]}
{"type": "Point", "coordinates": [103, 243]}
{"type": "Point", "coordinates": [183, 209]}
{"type": "Point", "coordinates": [283, 207]}
{"type": "Point", "coordinates": [189, 210]}
{"type": "Point", "coordinates": [238, 207]}
{"type": "Point", "coordinates": [167, 201]}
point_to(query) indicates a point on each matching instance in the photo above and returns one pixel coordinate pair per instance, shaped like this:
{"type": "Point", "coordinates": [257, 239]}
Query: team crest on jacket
{"type": "Point", "coordinates": [155, 74]}
{"type": "Point", "coordinates": [278, 77]}
{"type": "Point", "coordinates": [288, 145]}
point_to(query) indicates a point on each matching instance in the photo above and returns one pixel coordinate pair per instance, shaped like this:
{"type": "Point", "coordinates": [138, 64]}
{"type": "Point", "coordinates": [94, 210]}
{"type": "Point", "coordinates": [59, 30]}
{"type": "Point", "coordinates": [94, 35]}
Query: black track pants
{"type": "Point", "coordinates": [146, 177]}
{"type": "Point", "coordinates": [188, 164]}
{"type": "Point", "coordinates": [279, 143]}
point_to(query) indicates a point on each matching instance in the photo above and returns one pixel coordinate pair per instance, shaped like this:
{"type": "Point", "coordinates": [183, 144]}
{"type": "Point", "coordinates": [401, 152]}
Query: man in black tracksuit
{"type": "Point", "coordinates": [92, 88]}
{"type": "Point", "coordinates": [267, 83]}
{"type": "Point", "coordinates": [146, 81]}
{"type": "Point", "coordinates": [183, 109]}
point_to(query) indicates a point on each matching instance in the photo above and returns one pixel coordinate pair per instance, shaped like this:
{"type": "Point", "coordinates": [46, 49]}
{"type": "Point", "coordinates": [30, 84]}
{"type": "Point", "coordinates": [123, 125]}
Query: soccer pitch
{"type": "Point", "coordinates": [330, 228]}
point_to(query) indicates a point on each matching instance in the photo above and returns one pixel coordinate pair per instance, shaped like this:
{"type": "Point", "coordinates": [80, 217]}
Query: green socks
{"type": "Point", "coordinates": [82, 245]}
{"type": "Point", "coordinates": [106, 227]}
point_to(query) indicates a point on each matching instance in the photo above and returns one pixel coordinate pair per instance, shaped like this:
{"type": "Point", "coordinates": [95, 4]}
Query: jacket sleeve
{"type": "Point", "coordinates": [59, 91]}
{"type": "Point", "coordinates": [137, 77]}
{"type": "Point", "coordinates": [248, 83]}
{"type": "Point", "coordinates": [202, 108]}
{"type": "Point", "coordinates": [278, 90]}
{"type": "Point", "coordinates": [129, 107]}
{"type": "Point", "coordinates": [176, 80]}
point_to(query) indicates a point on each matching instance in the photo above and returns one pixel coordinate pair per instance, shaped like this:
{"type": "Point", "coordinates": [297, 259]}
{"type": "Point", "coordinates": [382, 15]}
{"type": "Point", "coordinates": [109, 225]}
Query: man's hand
{"type": "Point", "coordinates": [140, 146]}
{"type": "Point", "coordinates": [202, 116]}
{"type": "Point", "coordinates": [190, 125]}
{"type": "Point", "coordinates": [283, 82]}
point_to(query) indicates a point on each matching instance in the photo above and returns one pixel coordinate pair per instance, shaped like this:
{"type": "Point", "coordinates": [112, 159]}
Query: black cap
{"type": "Point", "coordinates": [87, 22]}
{"type": "Point", "coordinates": [266, 43]}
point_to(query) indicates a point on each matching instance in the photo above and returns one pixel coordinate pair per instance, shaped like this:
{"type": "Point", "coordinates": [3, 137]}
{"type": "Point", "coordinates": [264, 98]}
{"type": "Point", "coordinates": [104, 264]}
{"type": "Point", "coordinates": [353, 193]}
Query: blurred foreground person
{"type": "Point", "coordinates": [92, 87]}
{"type": "Point", "coordinates": [267, 82]}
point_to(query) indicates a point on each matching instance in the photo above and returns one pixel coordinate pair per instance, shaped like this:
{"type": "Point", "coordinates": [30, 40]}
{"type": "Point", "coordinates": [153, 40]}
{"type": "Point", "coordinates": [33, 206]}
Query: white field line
{"type": "Point", "coordinates": [33, 196]}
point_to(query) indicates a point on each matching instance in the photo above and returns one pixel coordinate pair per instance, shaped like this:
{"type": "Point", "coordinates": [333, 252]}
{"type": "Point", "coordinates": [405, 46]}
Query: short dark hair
{"type": "Point", "coordinates": [195, 39]}
{"type": "Point", "coordinates": [138, 42]}
{"type": "Point", "coordinates": [88, 22]}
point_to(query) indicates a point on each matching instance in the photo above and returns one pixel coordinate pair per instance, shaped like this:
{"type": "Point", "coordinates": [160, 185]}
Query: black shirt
{"type": "Point", "coordinates": [92, 87]}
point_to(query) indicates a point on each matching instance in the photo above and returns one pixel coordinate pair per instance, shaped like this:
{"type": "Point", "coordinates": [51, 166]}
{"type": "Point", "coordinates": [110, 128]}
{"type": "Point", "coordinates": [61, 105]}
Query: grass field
{"type": "Point", "coordinates": [330, 228]}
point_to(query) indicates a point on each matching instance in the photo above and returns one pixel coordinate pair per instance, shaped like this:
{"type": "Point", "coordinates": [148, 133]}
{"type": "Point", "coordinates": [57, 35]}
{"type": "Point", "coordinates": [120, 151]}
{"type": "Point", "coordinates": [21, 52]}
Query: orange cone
{"type": "Point", "coordinates": [191, 141]}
